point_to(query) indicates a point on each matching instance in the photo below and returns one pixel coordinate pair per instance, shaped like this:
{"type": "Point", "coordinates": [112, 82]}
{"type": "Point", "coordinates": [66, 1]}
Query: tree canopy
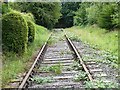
{"type": "Point", "coordinates": [105, 15]}
{"type": "Point", "coordinates": [46, 14]}
{"type": "Point", "coordinates": [67, 11]}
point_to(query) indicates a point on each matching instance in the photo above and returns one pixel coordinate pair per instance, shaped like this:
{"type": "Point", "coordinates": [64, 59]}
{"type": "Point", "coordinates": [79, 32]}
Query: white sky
{"type": "Point", "coordinates": [65, 0]}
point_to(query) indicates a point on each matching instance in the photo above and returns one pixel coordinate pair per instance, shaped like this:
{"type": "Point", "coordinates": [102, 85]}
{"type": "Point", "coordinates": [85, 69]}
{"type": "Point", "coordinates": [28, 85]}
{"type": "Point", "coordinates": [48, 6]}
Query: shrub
{"type": "Point", "coordinates": [105, 18]}
{"type": "Point", "coordinates": [31, 31]}
{"type": "Point", "coordinates": [46, 14]}
{"type": "Point", "coordinates": [14, 32]}
{"type": "Point", "coordinates": [5, 8]}
{"type": "Point", "coordinates": [29, 16]}
{"type": "Point", "coordinates": [115, 16]}
{"type": "Point", "coordinates": [92, 13]}
{"type": "Point", "coordinates": [80, 17]}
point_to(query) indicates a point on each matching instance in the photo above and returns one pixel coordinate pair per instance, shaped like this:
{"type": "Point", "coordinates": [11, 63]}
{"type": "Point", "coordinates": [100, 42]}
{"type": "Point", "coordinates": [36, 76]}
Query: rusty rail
{"type": "Point", "coordinates": [72, 46]}
{"type": "Point", "coordinates": [37, 59]}
{"type": "Point", "coordinates": [41, 54]}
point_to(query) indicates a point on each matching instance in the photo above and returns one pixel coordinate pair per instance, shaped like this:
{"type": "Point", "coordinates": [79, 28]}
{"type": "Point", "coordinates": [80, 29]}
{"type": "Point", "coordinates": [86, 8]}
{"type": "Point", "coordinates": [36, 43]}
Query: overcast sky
{"type": "Point", "coordinates": [64, 0]}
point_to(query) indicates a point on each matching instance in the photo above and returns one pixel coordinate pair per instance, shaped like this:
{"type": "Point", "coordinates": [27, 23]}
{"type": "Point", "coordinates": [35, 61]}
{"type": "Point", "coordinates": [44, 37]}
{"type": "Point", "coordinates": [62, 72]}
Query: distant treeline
{"type": "Point", "coordinates": [19, 21]}
{"type": "Point", "coordinates": [105, 15]}
{"type": "Point", "coordinates": [45, 14]}
{"type": "Point", "coordinates": [67, 14]}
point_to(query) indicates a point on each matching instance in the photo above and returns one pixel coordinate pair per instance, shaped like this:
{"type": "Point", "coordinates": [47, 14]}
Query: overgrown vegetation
{"type": "Point", "coordinates": [46, 14]}
{"type": "Point", "coordinates": [100, 84]}
{"type": "Point", "coordinates": [97, 37]}
{"type": "Point", "coordinates": [14, 33]}
{"type": "Point", "coordinates": [42, 80]}
{"type": "Point", "coordinates": [31, 31]}
{"type": "Point", "coordinates": [80, 76]}
{"type": "Point", "coordinates": [105, 15]}
{"type": "Point", "coordinates": [5, 8]}
{"type": "Point", "coordinates": [67, 11]}
{"type": "Point", "coordinates": [99, 15]}
{"type": "Point", "coordinates": [108, 58]}
{"type": "Point", "coordinates": [18, 29]}
{"type": "Point", "coordinates": [75, 66]}
{"type": "Point", "coordinates": [14, 64]}
{"type": "Point", "coordinates": [57, 69]}
{"type": "Point", "coordinates": [29, 17]}
{"type": "Point", "coordinates": [54, 39]}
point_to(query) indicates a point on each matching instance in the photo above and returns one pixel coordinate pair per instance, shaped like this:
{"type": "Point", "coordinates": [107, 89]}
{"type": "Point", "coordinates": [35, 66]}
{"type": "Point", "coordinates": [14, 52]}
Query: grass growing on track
{"type": "Point", "coordinates": [97, 37]}
{"type": "Point", "coordinates": [13, 64]}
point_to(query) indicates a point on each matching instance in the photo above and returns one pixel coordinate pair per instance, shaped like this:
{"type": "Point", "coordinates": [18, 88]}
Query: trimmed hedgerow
{"type": "Point", "coordinates": [14, 32]}
{"type": "Point", "coordinates": [5, 8]}
{"type": "Point", "coordinates": [31, 31]}
{"type": "Point", "coordinates": [29, 16]}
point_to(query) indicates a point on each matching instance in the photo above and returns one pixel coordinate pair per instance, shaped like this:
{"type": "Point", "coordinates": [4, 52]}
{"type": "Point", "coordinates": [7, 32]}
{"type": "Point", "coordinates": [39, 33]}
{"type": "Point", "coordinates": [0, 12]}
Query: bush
{"type": "Point", "coordinates": [5, 8]}
{"type": "Point", "coordinates": [80, 17]}
{"type": "Point", "coordinates": [31, 31]}
{"type": "Point", "coordinates": [46, 14]}
{"type": "Point", "coordinates": [14, 32]}
{"type": "Point", "coordinates": [115, 16]}
{"type": "Point", "coordinates": [92, 13]}
{"type": "Point", "coordinates": [29, 16]}
{"type": "Point", "coordinates": [105, 17]}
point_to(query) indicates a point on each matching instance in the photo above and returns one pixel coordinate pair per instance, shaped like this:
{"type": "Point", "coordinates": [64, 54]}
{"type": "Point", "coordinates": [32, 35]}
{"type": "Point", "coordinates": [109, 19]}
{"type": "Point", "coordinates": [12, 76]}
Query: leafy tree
{"type": "Point", "coordinates": [46, 14]}
{"type": "Point", "coordinates": [115, 16]}
{"type": "Point", "coordinates": [0, 8]}
{"type": "Point", "coordinates": [5, 8]}
{"type": "Point", "coordinates": [19, 6]}
{"type": "Point", "coordinates": [92, 13]}
{"type": "Point", "coordinates": [31, 31]}
{"type": "Point", "coordinates": [105, 16]}
{"type": "Point", "coordinates": [68, 9]}
{"type": "Point", "coordinates": [80, 17]}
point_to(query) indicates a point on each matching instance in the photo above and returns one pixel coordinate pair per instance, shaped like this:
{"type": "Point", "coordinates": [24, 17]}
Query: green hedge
{"type": "Point", "coordinates": [31, 31]}
{"type": "Point", "coordinates": [5, 8]}
{"type": "Point", "coordinates": [29, 16]}
{"type": "Point", "coordinates": [14, 32]}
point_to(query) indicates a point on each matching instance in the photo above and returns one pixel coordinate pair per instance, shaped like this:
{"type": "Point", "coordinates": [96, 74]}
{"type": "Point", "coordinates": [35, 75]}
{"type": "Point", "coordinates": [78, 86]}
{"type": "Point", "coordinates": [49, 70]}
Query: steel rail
{"type": "Point", "coordinates": [34, 64]}
{"type": "Point", "coordinates": [72, 46]}
{"type": "Point", "coordinates": [76, 53]}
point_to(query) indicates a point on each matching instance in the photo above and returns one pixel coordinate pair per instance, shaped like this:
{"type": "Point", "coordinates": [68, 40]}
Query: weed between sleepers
{"type": "Point", "coordinates": [75, 66]}
{"type": "Point", "coordinates": [57, 69]}
{"type": "Point", "coordinates": [42, 80]}
{"type": "Point", "coordinates": [81, 75]}
{"type": "Point", "coordinates": [13, 65]}
{"type": "Point", "coordinates": [100, 84]}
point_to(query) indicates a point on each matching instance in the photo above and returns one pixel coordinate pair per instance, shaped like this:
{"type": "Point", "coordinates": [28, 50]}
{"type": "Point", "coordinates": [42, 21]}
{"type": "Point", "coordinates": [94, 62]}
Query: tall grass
{"type": "Point", "coordinates": [13, 64]}
{"type": "Point", "coordinates": [100, 38]}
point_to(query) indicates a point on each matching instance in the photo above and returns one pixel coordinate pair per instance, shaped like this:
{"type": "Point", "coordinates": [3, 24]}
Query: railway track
{"type": "Point", "coordinates": [60, 65]}
{"type": "Point", "coordinates": [92, 59]}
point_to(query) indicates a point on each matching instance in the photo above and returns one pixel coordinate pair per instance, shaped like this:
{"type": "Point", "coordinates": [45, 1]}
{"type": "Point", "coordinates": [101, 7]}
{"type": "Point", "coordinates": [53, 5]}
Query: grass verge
{"type": "Point", "coordinates": [97, 37]}
{"type": "Point", "coordinates": [13, 65]}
